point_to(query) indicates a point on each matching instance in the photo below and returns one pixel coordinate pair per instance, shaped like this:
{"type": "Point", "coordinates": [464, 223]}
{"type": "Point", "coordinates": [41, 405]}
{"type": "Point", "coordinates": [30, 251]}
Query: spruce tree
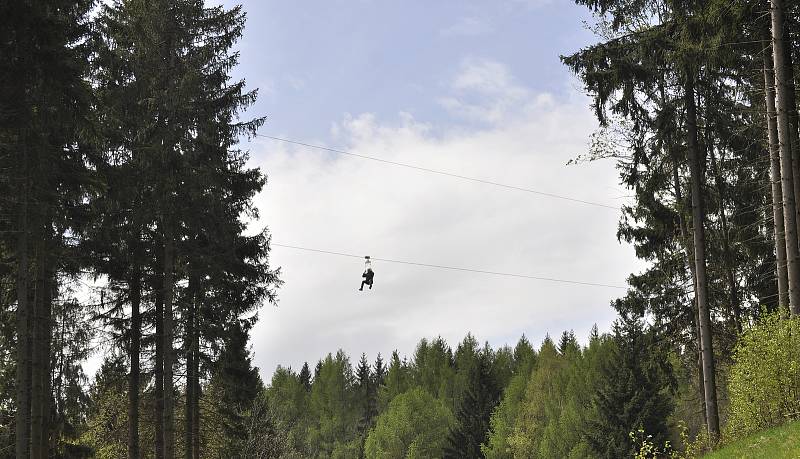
{"type": "Point", "coordinates": [474, 412]}
{"type": "Point", "coordinates": [334, 416]}
{"type": "Point", "coordinates": [233, 388]}
{"type": "Point", "coordinates": [378, 372]}
{"type": "Point", "coordinates": [365, 398]}
{"type": "Point", "coordinates": [363, 374]}
{"type": "Point", "coordinates": [567, 343]}
{"type": "Point", "coordinates": [45, 100]}
{"type": "Point", "coordinates": [784, 100]}
{"type": "Point", "coordinates": [662, 90]}
{"type": "Point", "coordinates": [633, 392]}
{"type": "Point", "coordinates": [433, 368]}
{"type": "Point", "coordinates": [317, 369]}
{"type": "Point", "coordinates": [524, 356]}
{"type": "Point", "coordinates": [502, 365]}
{"type": "Point", "coordinates": [305, 377]}
{"type": "Point", "coordinates": [398, 380]}
{"type": "Point", "coordinates": [188, 165]}
{"type": "Point", "coordinates": [465, 360]}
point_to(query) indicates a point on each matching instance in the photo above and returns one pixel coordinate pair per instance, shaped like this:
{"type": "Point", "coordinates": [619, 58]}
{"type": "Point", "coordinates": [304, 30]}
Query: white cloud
{"type": "Point", "coordinates": [486, 76]}
{"type": "Point", "coordinates": [467, 26]}
{"type": "Point", "coordinates": [532, 4]}
{"type": "Point", "coordinates": [485, 90]}
{"type": "Point", "coordinates": [266, 87]}
{"type": "Point", "coordinates": [296, 83]}
{"type": "Point", "coordinates": [333, 202]}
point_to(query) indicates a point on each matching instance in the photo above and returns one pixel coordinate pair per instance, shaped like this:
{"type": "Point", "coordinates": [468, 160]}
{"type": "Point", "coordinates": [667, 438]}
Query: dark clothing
{"type": "Point", "coordinates": [368, 275]}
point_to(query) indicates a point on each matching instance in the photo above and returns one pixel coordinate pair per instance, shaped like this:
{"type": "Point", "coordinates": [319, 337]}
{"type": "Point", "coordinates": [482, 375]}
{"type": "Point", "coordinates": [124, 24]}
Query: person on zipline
{"type": "Point", "coordinates": [368, 275]}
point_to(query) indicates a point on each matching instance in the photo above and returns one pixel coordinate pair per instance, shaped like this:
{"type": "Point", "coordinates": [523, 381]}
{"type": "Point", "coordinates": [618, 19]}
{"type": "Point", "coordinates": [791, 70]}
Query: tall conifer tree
{"type": "Point", "coordinates": [472, 417]}
{"type": "Point", "coordinates": [634, 392]}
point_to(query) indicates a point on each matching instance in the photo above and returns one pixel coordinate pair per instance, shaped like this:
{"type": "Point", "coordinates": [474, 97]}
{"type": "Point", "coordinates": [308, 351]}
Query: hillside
{"type": "Point", "coordinates": [776, 443]}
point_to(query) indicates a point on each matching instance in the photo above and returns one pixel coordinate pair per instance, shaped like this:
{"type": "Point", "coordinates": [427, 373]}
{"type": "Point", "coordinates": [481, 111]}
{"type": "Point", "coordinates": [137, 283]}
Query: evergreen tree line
{"type": "Point", "coordinates": [119, 166]}
{"type": "Point", "coordinates": [698, 108]}
{"type": "Point", "coordinates": [561, 400]}
{"type": "Point", "coordinates": [120, 171]}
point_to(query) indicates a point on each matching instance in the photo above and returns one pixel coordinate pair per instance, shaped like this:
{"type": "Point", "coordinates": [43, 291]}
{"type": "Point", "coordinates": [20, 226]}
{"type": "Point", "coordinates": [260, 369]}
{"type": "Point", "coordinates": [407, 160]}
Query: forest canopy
{"type": "Point", "coordinates": [128, 225]}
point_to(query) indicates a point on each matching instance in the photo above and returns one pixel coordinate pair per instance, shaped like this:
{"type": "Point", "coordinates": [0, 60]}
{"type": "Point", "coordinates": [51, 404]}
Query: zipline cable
{"type": "Point", "coordinates": [452, 268]}
{"type": "Point", "coordinates": [439, 172]}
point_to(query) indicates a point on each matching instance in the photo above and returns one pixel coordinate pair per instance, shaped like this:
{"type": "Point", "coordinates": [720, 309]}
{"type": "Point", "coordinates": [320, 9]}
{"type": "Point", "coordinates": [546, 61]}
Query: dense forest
{"type": "Point", "coordinates": [124, 210]}
{"type": "Point", "coordinates": [124, 213]}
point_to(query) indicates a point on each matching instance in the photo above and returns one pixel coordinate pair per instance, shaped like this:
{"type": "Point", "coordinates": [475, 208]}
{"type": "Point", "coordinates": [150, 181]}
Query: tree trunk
{"type": "Point", "coordinates": [196, 392]}
{"type": "Point", "coordinates": [734, 312]}
{"type": "Point", "coordinates": [683, 227]}
{"type": "Point", "coordinates": [784, 143]}
{"type": "Point", "coordinates": [37, 351]}
{"type": "Point", "coordinates": [159, 368]}
{"type": "Point", "coordinates": [190, 368]}
{"type": "Point", "coordinates": [58, 389]}
{"type": "Point", "coordinates": [169, 397]}
{"type": "Point", "coordinates": [688, 254]}
{"type": "Point", "coordinates": [23, 376]}
{"type": "Point", "coordinates": [794, 140]}
{"type": "Point", "coordinates": [41, 347]}
{"type": "Point", "coordinates": [192, 375]}
{"type": "Point", "coordinates": [189, 403]}
{"type": "Point", "coordinates": [135, 284]}
{"type": "Point", "coordinates": [169, 250]}
{"type": "Point", "coordinates": [50, 286]}
{"type": "Point", "coordinates": [777, 193]}
{"type": "Point", "coordinates": [704, 316]}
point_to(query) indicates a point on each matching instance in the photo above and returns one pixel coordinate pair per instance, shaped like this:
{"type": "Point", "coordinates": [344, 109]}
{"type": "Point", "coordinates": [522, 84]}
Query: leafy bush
{"type": "Point", "coordinates": [646, 447]}
{"type": "Point", "coordinates": [764, 384]}
{"type": "Point", "coordinates": [415, 425]}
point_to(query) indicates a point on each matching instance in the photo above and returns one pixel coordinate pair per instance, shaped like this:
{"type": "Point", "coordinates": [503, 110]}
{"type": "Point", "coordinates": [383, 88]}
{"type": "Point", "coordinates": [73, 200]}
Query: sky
{"type": "Point", "coordinates": [470, 87]}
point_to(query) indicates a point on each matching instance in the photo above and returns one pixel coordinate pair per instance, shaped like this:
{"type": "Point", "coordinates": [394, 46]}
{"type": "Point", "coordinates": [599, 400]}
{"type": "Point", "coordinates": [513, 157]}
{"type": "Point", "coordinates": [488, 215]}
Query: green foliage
{"type": "Point", "coordinates": [541, 406]}
{"type": "Point", "coordinates": [645, 448]}
{"type": "Point", "coordinates": [266, 437]}
{"type": "Point", "coordinates": [544, 409]}
{"type": "Point", "coordinates": [349, 450]}
{"type": "Point", "coordinates": [633, 393]}
{"type": "Point", "coordinates": [333, 415]}
{"type": "Point", "coordinates": [502, 362]}
{"type": "Point", "coordinates": [8, 367]}
{"type": "Point", "coordinates": [764, 383]}
{"type": "Point", "coordinates": [472, 417]}
{"type": "Point", "coordinates": [398, 380]}
{"type": "Point", "coordinates": [414, 425]}
{"type": "Point", "coordinates": [568, 344]}
{"type": "Point", "coordinates": [549, 407]}
{"type": "Point", "coordinates": [637, 74]}
{"type": "Point", "coordinates": [234, 387]}
{"type": "Point", "coordinates": [287, 400]}
{"type": "Point", "coordinates": [524, 356]}
{"type": "Point", "coordinates": [465, 360]}
{"type": "Point", "coordinates": [775, 443]}
{"type": "Point", "coordinates": [504, 418]}
{"type": "Point", "coordinates": [433, 368]}
{"type": "Point", "coordinates": [305, 376]}
{"type": "Point", "coordinates": [378, 372]}
{"type": "Point", "coordinates": [107, 427]}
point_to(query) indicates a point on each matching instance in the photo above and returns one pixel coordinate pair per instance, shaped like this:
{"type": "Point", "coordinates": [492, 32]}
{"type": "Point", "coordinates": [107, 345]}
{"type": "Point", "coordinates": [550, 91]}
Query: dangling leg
{"type": "Point", "coordinates": [362, 286]}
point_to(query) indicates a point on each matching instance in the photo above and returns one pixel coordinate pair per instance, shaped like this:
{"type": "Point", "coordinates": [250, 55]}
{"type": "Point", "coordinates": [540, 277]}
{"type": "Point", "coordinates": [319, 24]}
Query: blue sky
{"type": "Point", "coordinates": [315, 60]}
{"type": "Point", "coordinates": [470, 87]}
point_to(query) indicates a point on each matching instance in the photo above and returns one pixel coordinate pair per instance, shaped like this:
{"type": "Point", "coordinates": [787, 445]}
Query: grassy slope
{"type": "Point", "coordinates": [780, 442]}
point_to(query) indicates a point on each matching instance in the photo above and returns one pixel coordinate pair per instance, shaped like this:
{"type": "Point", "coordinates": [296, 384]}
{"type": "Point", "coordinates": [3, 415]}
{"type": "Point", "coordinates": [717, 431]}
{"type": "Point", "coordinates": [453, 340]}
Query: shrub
{"type": "Point", "coordinates": [415, 425]}
{"type": "Point", "coordinates": [764, 384]}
